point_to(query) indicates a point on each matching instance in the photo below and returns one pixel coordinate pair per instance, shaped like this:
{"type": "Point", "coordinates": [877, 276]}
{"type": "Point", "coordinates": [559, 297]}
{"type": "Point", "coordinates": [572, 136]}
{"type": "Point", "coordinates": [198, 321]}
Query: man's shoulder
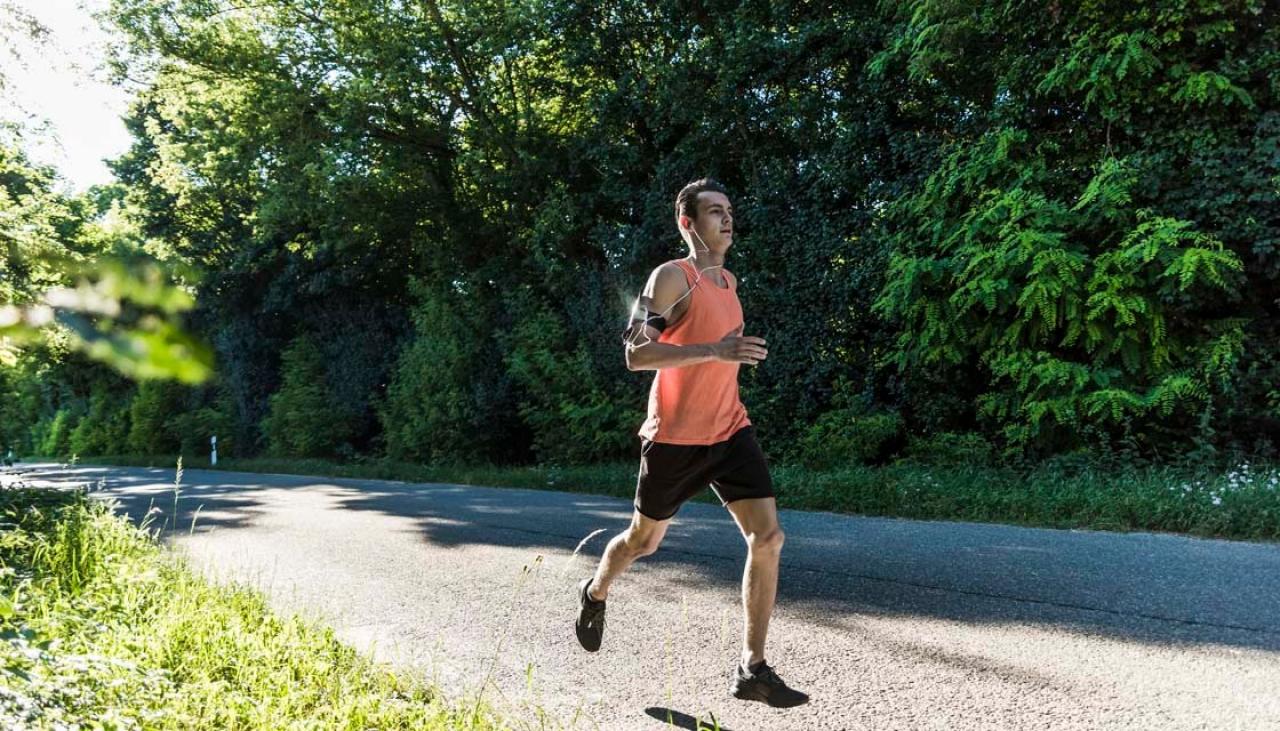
{"type": "Point", "coordinates": [669, 271]}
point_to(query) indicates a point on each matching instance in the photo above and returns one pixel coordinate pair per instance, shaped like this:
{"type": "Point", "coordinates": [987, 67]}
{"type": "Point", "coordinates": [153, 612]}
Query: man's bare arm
{"type": "Point", "coordinates": [667, 285]}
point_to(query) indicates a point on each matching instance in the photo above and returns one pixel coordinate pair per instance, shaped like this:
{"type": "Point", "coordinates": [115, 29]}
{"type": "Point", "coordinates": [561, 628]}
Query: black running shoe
{"type": "Point", "coordinates": [590, 624]}
{"type": "Point", "coordinates": [765, 686]}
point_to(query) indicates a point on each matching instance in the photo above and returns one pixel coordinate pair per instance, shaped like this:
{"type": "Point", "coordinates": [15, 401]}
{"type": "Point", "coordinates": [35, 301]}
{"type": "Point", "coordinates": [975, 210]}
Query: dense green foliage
{"type": "Point", "coordinates": [445, 399]}
{"type": "Point", "coordinates": [1026, 230]}
{"type": "Point", "coordinates": [1101, 244]}
{"type": "Point", "coordinates": [305, 419]}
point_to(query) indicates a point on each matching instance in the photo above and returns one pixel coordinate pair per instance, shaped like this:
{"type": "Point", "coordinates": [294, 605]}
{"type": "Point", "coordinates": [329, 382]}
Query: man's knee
{"type": "Point", "coordinates": [768, 541]}
{"type": "Point", "coordinates": [643, 543]}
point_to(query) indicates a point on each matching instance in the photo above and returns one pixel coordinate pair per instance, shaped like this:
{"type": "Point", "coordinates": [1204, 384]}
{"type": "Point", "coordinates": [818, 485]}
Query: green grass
{"type": "Point", "coordinates": [1242, 502]}
{"type": "Point", "coordinates": [102, 629]}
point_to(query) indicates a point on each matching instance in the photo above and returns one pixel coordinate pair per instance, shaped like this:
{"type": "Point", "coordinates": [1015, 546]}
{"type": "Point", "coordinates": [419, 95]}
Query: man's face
{"type": "Point", "coordinates": [714, 223]}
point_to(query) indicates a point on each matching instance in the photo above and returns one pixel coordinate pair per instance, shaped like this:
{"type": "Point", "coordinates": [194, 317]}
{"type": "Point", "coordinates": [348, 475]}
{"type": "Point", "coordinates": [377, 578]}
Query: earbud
{"type": "Point", "coordinates": [704, 244]}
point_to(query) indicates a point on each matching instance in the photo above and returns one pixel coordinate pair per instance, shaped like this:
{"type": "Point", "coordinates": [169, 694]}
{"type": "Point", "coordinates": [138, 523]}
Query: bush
{"type": "Point", "coordinates": [448, 401]}
{"type": "Point", "coordinates": [304, 419]}
{"type": "Point", "coordinates": [193, 429]}
{"type": "Point", "coordinates": [1108, 267]}
{"type": "Point", "coordinates": [564, 399]}
{"type": "Point", "coordinates": [105, 429]}
{"type": "Point", "coordinates": [951, 448]}
{"type": "Point", "coordinates": [844, 437]}
{"type": "Point", "coordinates": [155, 403]}
{"type": "Point", "coordinates": [53, 436]}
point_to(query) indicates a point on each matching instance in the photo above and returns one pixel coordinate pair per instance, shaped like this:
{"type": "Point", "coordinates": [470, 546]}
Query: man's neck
{"type": "Point", "coordinates": [703, 259]}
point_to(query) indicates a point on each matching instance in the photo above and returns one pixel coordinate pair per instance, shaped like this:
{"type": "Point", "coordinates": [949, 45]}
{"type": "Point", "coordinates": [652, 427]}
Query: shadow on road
{"type": "Point", "coordinates": [1157, 589]}
{"type": "Point", "coordinates": [683, 720]}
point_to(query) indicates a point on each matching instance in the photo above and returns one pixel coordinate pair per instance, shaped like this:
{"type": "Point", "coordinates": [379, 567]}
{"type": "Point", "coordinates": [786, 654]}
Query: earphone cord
{"type": "Point", "coordinates": [641, 330]}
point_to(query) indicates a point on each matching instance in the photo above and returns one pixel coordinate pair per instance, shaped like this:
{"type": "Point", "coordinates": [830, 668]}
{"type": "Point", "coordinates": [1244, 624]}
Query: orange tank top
{"type": "Point", "coordinates": [698, 404]}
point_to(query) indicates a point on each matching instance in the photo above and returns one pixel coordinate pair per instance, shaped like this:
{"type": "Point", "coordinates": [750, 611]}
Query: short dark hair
{"type": "Point", "coordinates": [687, 198]}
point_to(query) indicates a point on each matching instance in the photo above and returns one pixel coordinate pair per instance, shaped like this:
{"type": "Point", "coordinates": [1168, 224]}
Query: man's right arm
{"type": "Point", "coordinates": [643, 351]}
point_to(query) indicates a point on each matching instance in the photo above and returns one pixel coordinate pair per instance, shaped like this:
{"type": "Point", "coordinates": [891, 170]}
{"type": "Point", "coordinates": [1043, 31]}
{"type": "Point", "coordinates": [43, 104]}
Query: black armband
{"type": "Point", "coordinates": [651, 319]}
{"type": "Point", "coordinates": [657, 322]}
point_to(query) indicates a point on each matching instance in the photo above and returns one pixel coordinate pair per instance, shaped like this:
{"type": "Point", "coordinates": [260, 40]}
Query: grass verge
{"type": "Point", "coordinates": [102, 629]}
{"type": "Point", "coordinates": [1242, 502]}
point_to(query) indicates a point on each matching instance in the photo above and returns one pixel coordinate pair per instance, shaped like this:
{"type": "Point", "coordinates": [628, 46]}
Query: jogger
{"type": "Point", "coordinates": [687, 326]}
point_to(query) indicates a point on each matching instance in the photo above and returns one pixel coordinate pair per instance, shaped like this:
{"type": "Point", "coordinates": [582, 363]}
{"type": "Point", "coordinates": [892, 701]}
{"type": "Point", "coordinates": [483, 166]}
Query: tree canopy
{"type": "Point", "coordinates": [1054, 228]}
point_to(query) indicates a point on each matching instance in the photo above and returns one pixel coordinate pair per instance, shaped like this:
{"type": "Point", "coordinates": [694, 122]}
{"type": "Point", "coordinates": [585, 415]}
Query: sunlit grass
{"type": "Point", "coordinates": [102, 628]}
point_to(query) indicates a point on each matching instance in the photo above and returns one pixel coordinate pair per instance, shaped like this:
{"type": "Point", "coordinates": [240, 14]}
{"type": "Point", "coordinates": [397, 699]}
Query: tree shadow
{"type": "Point", "coordinates": [146, 495]}
{"type": "Point", "coordinates": [1151, 588]}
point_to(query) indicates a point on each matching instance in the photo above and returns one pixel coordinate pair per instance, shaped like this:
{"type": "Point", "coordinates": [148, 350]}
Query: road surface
{"type": "Point", "coordinates": [887, 624]}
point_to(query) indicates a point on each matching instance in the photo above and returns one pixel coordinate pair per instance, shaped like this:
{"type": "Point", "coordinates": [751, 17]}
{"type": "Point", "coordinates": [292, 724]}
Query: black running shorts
{"type": "Point", "coordinates": [670, 474]}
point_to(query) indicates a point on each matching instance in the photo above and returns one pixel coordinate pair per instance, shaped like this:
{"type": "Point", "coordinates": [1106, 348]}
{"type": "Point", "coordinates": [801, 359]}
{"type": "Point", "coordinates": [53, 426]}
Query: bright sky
{"type": "Point", "coordinates": [63, 83]}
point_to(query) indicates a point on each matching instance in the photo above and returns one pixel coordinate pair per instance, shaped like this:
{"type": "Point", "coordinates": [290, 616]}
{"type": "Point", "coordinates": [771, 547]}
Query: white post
{"type": "Point", "coordinates": [213, 456]}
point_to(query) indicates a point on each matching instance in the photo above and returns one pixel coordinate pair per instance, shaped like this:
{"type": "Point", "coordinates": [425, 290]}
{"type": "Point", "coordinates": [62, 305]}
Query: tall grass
{"type": "Point", "coordinates": [100, 628]}
{"type": "Point", "coordinates": [1242, 503]}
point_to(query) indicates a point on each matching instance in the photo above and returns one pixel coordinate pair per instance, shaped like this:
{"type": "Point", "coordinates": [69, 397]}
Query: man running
{"type": "Point", "coordinates": [688, 327]}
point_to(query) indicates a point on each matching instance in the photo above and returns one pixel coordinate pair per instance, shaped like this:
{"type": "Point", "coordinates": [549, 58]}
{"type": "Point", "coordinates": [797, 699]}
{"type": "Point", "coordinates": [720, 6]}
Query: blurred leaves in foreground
{"type": "Point", "coordinates": [120, 311]}
{"type": "Point", "coordinates": [74, 269]}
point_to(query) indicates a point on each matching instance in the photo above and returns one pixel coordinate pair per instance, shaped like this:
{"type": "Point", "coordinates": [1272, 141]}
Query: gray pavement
{"type": "Point", "coordinates": [888, 624]}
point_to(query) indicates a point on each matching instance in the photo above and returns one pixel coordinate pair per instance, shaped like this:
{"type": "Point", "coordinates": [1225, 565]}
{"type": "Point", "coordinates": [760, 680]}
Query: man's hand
{"type": "Point", "coordinates": [735, 348]}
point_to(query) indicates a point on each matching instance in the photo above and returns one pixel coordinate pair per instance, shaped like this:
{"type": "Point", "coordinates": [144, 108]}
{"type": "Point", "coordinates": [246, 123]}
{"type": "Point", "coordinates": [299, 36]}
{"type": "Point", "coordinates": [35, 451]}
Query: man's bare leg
{"type": "Point", "coordinates": [757, 518]}
{"type": "Point", "coordinates": [641, 538]}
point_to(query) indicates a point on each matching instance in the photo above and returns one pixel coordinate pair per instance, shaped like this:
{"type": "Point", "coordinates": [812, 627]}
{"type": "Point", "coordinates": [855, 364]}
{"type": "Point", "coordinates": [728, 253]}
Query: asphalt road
{"type": "Point", "coordinates": [887, 624]}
